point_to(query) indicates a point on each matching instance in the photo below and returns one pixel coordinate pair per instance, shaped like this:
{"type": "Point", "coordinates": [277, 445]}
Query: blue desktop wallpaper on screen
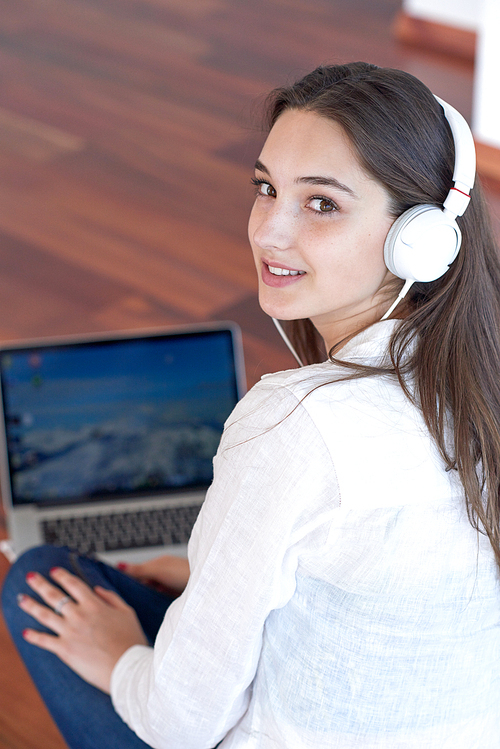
{"type": "Point", "coordinates": [129, 418]}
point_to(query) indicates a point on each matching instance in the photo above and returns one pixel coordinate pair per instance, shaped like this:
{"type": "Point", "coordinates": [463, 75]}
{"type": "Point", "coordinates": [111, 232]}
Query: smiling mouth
{"type": "Point", "coordinates": [285, 271]}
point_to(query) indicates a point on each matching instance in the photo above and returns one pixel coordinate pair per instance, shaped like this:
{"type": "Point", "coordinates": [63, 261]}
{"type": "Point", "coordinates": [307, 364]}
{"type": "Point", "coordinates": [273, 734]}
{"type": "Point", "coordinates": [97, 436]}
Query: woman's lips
{"type": "Point", "coordinates": [277, 281]}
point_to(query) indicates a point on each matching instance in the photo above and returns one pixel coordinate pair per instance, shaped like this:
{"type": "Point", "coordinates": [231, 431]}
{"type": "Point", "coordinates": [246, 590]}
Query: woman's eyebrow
{"type": "Point", "coordinates": [260, 167]}
{"type": "Point", "coordinates": [327, 182]}
{"type": "Point", "coordinates": [320, 181]}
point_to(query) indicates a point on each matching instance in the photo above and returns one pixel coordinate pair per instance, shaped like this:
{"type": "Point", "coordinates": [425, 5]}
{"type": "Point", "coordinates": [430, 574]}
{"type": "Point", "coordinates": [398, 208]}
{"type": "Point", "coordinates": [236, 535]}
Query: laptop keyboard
{"type": "Point", "coordinates": [126, 530]}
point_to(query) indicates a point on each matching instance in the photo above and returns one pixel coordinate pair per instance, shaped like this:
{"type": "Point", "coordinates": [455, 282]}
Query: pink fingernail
{"type": "Point", "coordinates": [30, 575]}
{"type": "Point", "coordinates": [54, 569]}
{"type": "Point", "coordinates": [121, 566]}
{"type": "Point", "coordinates": [20, 598]}
{"type": "Point", "coordinates": [25, 632]}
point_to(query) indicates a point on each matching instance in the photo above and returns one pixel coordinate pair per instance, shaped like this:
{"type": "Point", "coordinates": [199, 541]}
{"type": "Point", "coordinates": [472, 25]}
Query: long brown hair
{"type": "Point", "coordinates": [453, 324]}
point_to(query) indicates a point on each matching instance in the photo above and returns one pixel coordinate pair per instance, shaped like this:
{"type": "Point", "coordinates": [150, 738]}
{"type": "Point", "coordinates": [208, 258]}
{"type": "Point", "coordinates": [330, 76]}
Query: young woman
{"type": "Point", "coordinates": [344, 587]}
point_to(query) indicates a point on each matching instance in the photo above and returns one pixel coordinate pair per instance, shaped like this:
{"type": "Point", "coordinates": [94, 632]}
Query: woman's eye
{"type": "Point", "coordinates": [323, 205]}
{"type": "Point", "coordinates": [267, 189]}
{"type": "Point", "coordinates": [264, 188]}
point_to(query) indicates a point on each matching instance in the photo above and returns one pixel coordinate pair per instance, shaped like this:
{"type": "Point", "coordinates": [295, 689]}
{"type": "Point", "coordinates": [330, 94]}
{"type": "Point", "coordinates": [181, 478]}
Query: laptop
{"type": "Point", "coordinates": [107, 441]}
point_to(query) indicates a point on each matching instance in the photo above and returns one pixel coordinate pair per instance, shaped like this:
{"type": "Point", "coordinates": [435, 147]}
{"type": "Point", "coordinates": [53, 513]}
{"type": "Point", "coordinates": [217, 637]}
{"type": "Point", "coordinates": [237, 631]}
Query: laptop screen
{"type": "Point", "coordinates": [116, 419]}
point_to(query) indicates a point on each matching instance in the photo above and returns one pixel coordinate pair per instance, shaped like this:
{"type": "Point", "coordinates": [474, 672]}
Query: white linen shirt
{"type": "Point", "coordinates": [338, 597]}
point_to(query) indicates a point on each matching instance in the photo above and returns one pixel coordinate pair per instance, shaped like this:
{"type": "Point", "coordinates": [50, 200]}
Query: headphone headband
{"type": "Point", "coordinates": [425, 240]}
{"type": "Point", "coordinates": [465, 152]}
{"type": "Point", "coordinates": [464, 172]}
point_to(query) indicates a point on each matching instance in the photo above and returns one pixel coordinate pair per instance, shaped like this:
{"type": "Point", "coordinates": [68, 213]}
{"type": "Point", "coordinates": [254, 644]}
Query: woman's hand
{"type": "Point", "coordinates": [92, 629]}
{"type": "Point", "coordinates": [167, 573]}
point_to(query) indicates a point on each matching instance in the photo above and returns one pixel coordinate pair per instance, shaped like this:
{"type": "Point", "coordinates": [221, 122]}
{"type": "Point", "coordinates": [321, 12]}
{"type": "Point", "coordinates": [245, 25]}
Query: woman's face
{"type": "Point", "coordinates": [317, 228]}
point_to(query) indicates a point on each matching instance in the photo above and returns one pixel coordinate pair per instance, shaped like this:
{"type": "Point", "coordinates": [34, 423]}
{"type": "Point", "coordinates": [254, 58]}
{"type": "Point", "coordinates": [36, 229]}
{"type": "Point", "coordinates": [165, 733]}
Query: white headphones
{"type": "Point", "coordinates": [424, 241]}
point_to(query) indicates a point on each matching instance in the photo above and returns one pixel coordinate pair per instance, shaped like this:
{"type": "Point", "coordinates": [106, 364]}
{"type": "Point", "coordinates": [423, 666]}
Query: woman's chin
{"type": "Point", "coordinates": [279, 312]}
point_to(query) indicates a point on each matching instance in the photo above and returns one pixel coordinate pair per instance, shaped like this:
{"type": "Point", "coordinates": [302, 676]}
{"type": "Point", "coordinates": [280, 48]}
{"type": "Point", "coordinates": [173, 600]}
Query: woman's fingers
{"type": "Point", "coordinates": [51, 594]}
{"type": "Point", "coordinates": [42, 614]}
{"type": "Point", "coordinates": [79, 593]}
{"type": "Point", "coordinates": [59, 603]}
{"type": "Point", "coordinates": [42, 640]}
{"type": "Point", "coordinates": [167, 570]}
{"type": "Point", "coordinates": [111, 598]}
{"type": "Point", "coordinates": [139, 571]}
{"type": "Point", "coordinates": [77, 589]}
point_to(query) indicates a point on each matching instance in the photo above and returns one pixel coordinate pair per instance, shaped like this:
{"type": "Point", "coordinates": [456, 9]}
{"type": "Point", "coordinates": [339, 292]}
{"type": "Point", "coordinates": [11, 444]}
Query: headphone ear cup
{"type": "Point", "coordinates": [422, 243]}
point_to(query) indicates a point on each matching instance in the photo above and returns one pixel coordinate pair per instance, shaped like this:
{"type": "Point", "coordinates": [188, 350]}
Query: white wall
{"type": "Point", "coordinates": [486, 111]}
{"type": "Point", "coordinates": [465, 14]}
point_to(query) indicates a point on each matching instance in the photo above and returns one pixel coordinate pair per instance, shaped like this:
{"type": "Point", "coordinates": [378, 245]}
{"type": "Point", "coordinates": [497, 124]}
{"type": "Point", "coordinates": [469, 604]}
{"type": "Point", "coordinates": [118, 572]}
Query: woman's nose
{"type": "Point", "coordinates": [273, 228]}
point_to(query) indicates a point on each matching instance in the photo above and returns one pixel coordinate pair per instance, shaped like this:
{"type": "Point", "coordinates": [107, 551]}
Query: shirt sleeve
{"type": "Point", "coordinates": [274, 490]}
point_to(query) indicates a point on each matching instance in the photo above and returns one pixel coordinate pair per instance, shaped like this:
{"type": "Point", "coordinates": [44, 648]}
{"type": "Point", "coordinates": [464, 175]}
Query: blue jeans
{"type": "Point", "coordinates": [84, 714]}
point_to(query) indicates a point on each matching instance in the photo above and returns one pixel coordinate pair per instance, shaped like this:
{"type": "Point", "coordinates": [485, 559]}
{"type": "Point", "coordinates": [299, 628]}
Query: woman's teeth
{"type": "Point", "coordinates": [285, 271]}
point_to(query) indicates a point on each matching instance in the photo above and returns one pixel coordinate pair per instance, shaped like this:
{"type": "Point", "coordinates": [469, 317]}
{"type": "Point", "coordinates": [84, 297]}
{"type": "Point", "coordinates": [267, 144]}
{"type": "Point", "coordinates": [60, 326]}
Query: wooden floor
{"type": "Point", "coordinates": [128, 131]}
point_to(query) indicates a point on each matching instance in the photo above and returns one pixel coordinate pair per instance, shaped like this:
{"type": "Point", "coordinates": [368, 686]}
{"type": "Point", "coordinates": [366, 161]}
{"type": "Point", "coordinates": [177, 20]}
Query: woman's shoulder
{"type": "Point", "coordinates": [293, 379]}
{"type": "Point", "coordinates": [287, 387]}
{"type": "Point", "coordinates": [327, 383]}
{"type": "Point", "coordinates": [274, 401]}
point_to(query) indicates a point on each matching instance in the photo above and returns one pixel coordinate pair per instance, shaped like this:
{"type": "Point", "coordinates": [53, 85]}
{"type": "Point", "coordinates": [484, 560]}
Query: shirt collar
{"type": "Point", "coordinates": [371, 343]}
